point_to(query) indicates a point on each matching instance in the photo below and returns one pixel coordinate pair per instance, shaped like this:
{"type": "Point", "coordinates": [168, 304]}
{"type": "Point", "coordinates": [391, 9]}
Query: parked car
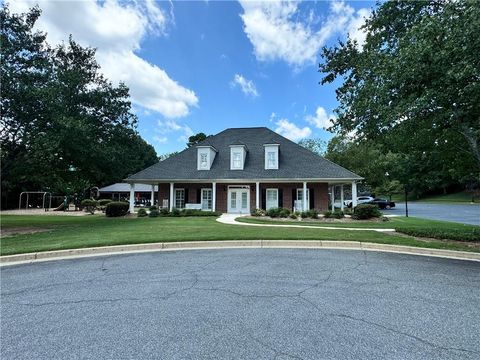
{"type": "Point", "coordinates": [360, 200]}
{"type": "Point", "coordinates": [382, 203]}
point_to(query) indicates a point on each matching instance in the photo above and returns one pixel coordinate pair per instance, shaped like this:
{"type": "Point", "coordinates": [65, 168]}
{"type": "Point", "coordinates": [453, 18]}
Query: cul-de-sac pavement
{"type": "Point", "coordinates": [242, 304]}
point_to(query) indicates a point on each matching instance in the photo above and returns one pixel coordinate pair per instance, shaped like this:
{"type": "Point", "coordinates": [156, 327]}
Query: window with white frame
{"type": "Point", "coordinates": [271, 198]}
{"type": "Point", "coordinates": [237, 160]}
{"type": "Point", "coordinates": [300, 196]}
{"type": "Point", "coordinates": [271, 159]}
{"type": "Point", "coordinates": [203, 160]}
{"type": "Point", "coordinates": [179, 198]}
{"type": "Point", "coordinates": [206, 199]}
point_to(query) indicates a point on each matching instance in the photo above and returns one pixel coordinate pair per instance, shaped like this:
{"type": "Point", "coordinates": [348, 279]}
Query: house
{"type": "Point", "coordinates": [240, 169]}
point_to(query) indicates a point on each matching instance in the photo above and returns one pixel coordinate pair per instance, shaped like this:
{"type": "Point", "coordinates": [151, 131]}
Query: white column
{"type": "Point", "coordinates": [332, 197]}
{"type": "Point", "coordinates": [132, 198]}
{"type": "Point", "coordinates": [214, 195]}
{"type": "Point", "coordinates": [170, 200]}
{"type": "Point", "coordinates": [257, 195]}
{"type": "Point", "coordinates": [341, 197]}
{"type": "Point", "coordinates": [354, 194]}
{"type": "Point", "coordinates": [304, 196]}
{"type": "Point", "coordinates": [152, 197]}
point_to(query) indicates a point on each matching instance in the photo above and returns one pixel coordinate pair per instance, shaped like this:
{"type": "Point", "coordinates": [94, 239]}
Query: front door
{"type": "Point", "coordinates": [238, 200]}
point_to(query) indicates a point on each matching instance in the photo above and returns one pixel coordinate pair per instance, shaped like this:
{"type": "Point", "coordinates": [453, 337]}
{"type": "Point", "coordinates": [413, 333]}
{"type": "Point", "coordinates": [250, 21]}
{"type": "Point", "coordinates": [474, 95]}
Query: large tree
{"type": "Point", "coordinates": [414, 86]}
{"type": "Point", "coordinates": [63, 124]}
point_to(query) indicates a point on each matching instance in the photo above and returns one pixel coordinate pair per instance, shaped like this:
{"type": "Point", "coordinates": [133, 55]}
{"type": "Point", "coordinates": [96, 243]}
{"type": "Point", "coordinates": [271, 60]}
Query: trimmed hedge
{"type": "Point", "coordinates": [278, 212]}
{"type": "Point", "coordinates": [116, 209]}
{"type": "Point", "coordinates": [186, 213]}
{"type": "Point", "coordinates": [309, 214]}
{"type": "Point", "coordinates": [142, 213]}
{"type": "Point", "coordinates": [89, 205]}
{"type": "Point", "coordinates": [467, 234]}
{"type": "Point", "coordinates": [258, 212]}
{"type": "Point", "coordinates": [153, 213]}
{"type": "Point", "coordinates": [104, 202]}
{"type": "Point", "coordinates": [337, 214]}
{"type": "Point", "coordinates": [366, 211]}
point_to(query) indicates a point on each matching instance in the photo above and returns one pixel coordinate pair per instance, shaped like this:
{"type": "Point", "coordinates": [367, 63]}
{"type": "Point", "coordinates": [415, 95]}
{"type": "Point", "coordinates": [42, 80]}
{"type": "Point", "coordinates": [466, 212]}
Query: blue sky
{"type": "Point", "coordinates": [206, 66]}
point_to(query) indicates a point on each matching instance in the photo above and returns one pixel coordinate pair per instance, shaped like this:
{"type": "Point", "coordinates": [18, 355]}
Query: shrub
{"type": "Point", "coordinates": [175, 212]}
{"type": "Point", "coordinates": [258, 212]}
{"type": "Point", "coordinates": [284, 212]}
{"type": "Point", "coordinates": [89, 205]}
{"type": "Point", "coordinates": [116, 208]}
{"type": "Point", "coordinates": [310, 214]}
{"type": "Point", "coordinates": [293, 216]}
{"type": "Point", "coordinates": [141, 213]}
{"type": "Point", "coordinates": [273, 212]}
{"type": "Point", "coordinates": [152, 208]}
{"type": "Point", "coordinates": [104, 202]}
{"type": "Point", "coordinates": [327, 214]}
{"type": "Point", "coordinates": [338, 214]}
{"type": "Point", "coordinates": [366, 211]}
{"type": "Point", "coordinates": [164, 212]}
{"type": "Point", "coordinates": [153, 213]}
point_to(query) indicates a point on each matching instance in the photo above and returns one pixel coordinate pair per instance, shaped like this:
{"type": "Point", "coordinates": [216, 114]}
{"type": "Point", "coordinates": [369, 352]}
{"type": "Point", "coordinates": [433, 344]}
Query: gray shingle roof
{"type": "Point", "coordinates": [123, 187]}
{"type": "Point", "coordinates": [295, 162]}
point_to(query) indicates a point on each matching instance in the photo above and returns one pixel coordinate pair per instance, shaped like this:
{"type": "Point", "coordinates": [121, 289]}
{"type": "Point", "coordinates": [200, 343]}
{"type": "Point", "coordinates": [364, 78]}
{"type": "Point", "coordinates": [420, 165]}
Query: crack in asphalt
{"type": "Point", "coordinates": [194, 282]}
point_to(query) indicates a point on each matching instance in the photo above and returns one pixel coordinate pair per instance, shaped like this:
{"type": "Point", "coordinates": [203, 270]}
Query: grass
{"type": "Point", "coordinates": [411, 226]}
{"type": "Point", "coordinates": [66, 232]}
{"type": "Point", "coordinates": [457, 198]}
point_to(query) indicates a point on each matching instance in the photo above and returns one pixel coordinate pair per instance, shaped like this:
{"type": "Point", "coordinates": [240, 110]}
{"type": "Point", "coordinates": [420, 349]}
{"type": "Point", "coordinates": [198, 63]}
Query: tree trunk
{"type": "Point", "coordinates": [472, 140]}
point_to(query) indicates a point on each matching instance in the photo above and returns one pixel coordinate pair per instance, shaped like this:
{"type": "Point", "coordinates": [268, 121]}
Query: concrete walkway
{"type": "Point", "coordinates": [230, 219]}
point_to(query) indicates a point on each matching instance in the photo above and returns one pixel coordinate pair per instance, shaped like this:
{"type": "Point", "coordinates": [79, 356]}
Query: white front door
{"type": "Point", "coordinates": [238, 201]}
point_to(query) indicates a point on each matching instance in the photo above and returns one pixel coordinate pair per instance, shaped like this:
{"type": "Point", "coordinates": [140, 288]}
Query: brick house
{"type": "Point", "coordinates": [240, 169]}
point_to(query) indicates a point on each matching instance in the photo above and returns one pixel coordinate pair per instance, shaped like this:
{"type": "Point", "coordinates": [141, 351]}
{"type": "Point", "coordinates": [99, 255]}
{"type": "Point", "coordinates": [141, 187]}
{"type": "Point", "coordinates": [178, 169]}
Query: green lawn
{"type": "Point", "coordinates": [67, 232]}
{"type": "Point", "coordinates": [457, 198]}
{"type": "Point", "coordinates": [410, 226]}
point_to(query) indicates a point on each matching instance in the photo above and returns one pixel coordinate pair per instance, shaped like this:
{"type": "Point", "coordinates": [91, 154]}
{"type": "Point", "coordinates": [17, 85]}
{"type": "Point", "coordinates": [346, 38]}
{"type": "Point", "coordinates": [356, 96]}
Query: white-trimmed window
{"type": "Point", "coordinates": [300, 197]}
{"type": "Point", "coordinates": [271, 156]}
{"type": "Point", "coordinates": [179, 198]}
{"type": "Point", "coordinates": [207, 199]}
{"type": "Point", "coordinates": [271, 159]}
{"type": "Point", "coordinates": [236, 160]}
{"type": "Point", "coordinates": [204, 160]}
{"type": "Point", "coordinates": [271, 198]}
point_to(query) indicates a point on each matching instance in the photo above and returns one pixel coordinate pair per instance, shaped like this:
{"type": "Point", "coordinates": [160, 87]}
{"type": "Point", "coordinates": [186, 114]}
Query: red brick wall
{"type": "Point", "coordinates": [320, 193]}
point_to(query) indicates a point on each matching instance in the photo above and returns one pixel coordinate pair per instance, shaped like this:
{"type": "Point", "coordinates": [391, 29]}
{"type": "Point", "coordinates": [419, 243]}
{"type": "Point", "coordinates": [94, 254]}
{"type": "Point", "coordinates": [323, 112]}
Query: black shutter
{"type": "Point", "coordinates": [186, 196]}
{"type": "Point", "coordinates": [199, 196]}
{"type": "Point", "coordinates": [294, 197]}
{"type": "Point", "coordinates": [264, 199]}
{"type": "Point", "coordinates": [280, 197]}
{"type": "Point", "coordinates": [312, 199]}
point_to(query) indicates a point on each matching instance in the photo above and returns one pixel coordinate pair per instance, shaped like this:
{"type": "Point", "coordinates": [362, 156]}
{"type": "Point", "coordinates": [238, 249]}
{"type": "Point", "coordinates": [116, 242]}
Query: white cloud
{"type": "Point", "coordinates": [165, 128]}
{"type": "Point", "coordinates": [354, 31]}
{"type": "Point", "coordinates": [292, 131]}
{"type": "Point", "coordinates": [247, 86]}
{"type": "Point", "coordinates": [321, 119]}
{"type": "Point", "coordinates": [279, 31]}
{"type": "Point", "coordinates": [117, 29]}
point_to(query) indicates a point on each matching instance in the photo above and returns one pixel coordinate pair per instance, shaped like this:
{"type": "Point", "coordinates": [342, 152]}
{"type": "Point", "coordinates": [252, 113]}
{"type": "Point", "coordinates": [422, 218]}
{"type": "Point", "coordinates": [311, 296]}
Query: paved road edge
{"type": "Point", "coordinates": [192, 245]}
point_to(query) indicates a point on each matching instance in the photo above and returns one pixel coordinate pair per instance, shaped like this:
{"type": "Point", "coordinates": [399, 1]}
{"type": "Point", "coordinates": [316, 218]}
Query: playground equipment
{"type": "Point", "coordinates": [44, 196]}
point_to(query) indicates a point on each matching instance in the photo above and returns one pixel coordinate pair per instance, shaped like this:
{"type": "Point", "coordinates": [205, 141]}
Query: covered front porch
{"type": "Point", "coordinates": [243, 197]}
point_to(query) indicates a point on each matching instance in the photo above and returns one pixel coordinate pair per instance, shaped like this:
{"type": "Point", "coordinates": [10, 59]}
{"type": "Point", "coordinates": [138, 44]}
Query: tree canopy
{"type": "Point", "coordinates": [413, 88]}
{"type": "Point", "coordinates": [63, 124]}
{"type": "Point", "coordinates": [195, 139]}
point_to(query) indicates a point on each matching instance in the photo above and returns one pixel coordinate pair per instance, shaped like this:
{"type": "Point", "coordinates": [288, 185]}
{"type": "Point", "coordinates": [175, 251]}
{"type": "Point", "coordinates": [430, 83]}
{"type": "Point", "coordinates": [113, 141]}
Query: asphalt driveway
{"type": "Point", "coordinates": [242, 304]}
{"type": "Point", "coordinates": [467, 214]}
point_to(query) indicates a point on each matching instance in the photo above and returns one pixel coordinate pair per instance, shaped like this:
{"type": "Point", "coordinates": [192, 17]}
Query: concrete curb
{"type": "Point", "coordinates": [232, 244]}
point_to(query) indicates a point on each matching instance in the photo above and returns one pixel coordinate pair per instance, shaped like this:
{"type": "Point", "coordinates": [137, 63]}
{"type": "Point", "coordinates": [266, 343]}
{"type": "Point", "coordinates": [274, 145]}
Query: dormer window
{"type": "Point", "coordinates": [238, 154]}
{"type": "Point", "coordinates": [272, 160]}
{"type": "Point", "coordinates": [271, 156]}
{"type": "Point", "coordinates": [237, 160]}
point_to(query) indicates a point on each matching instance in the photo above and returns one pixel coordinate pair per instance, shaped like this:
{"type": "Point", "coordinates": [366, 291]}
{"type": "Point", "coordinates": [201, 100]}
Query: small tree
{"type": "Point", "coordinates": [89, 205]}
